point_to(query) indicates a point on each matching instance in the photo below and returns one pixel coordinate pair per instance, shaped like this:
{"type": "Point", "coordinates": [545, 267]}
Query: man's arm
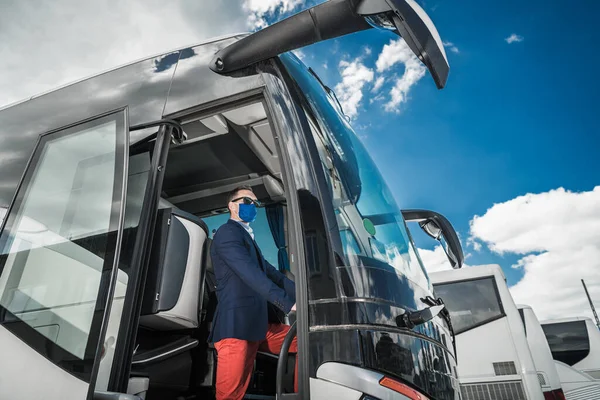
{"type": "Point", "coordinates": [236, 256]}
{"type": "Point", "coordinates": [281, 280]}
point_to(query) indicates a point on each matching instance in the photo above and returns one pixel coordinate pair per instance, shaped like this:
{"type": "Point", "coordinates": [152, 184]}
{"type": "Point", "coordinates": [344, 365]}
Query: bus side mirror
{"type": "Point", "coordinates": [335, 18]}
{"type": "Point", "coordinates": [439, 228]}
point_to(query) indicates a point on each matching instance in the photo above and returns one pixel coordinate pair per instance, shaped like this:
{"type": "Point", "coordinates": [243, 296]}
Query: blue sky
{"type": "Point", "coordinates": [514, 118]}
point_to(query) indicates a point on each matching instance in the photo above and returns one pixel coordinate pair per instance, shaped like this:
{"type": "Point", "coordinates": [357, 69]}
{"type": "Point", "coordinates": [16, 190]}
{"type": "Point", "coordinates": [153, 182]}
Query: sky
{"type": "Point", "coordinates": [507, 151]}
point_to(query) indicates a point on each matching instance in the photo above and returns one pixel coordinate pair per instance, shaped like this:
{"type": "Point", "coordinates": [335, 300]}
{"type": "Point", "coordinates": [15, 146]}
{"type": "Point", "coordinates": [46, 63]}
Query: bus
{"type": "Point", "coordinates": [542, 357]}
{"type": "Point", "coordinates": [112, 188]}
{"type": "Point", "coordinates": [494, 361]}
{"type": "Point", "coordinates": [576, 342]}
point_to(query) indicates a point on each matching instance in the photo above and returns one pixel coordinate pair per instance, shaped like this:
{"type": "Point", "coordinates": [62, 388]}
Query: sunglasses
{"type": "Point", "coordinates": [248, 201]}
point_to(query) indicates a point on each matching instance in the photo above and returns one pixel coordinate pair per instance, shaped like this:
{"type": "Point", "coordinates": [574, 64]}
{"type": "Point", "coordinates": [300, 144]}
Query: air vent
{"type": "Point", "coordinates": [505, 368]}
{"type": "Point", "coordinates": [493, 391]}
{"type": "Point", "coordinates": [542, 379]}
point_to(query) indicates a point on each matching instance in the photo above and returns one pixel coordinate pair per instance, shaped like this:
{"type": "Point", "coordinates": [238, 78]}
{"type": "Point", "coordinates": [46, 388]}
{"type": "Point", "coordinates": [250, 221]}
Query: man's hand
{"type": "Point", "coordinates": [293, 307]}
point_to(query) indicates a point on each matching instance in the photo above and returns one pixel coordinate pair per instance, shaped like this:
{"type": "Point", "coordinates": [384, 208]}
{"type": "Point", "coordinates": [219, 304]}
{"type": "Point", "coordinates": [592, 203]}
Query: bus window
{"type": "Point", "coordinates": [372, 230]}
{"type": "Point", "coordinates": [480, 307]}
{"type": "Point", "coordinates": [569, 341]}
{"type": "Point", "coordinates": [262, 233]}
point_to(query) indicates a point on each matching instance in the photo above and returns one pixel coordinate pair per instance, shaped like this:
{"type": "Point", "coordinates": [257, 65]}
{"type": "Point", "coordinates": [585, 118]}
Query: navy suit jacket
{"type": "Point", "coordinates": [246, 282]}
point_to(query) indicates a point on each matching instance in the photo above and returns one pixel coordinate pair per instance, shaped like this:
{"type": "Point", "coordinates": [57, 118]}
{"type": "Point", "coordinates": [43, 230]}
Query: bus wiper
{"type": "Point", "coordinates": [444, 314]}
{"type": "Point", "coordinates": [410, 319]}
{"type": "Point", "coordinates": [328, 90]}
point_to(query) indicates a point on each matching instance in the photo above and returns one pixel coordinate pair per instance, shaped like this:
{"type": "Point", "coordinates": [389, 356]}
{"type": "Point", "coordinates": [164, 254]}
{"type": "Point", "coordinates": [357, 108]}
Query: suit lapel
{"type": "Point", "coordinates": [248, 238]}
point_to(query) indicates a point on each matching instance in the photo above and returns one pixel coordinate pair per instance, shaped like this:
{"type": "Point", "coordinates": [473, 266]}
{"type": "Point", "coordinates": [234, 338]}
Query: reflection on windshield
{"type": "Point", "coordinates": [370, 222]}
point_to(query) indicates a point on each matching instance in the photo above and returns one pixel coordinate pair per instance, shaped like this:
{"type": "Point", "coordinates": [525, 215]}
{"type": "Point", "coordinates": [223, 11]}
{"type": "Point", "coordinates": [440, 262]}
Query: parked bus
{"type": "Point", "coordinates": [542, 357]}
{"type": "Point", "coordinates": [126, 174]}
{"type": "Point", "coordinates": [575, 342]}
{"type": "Point", "coordinates": [494, 361]}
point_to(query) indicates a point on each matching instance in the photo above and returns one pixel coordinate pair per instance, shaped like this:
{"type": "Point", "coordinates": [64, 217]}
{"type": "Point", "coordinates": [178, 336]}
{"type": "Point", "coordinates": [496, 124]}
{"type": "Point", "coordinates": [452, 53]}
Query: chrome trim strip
{"type": "Point", "coordinates": [190, 345]}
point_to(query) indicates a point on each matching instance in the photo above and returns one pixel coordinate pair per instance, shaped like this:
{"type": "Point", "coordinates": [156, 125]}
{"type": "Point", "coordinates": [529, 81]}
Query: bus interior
{"type": "Point", "coordinates": [224, 149]}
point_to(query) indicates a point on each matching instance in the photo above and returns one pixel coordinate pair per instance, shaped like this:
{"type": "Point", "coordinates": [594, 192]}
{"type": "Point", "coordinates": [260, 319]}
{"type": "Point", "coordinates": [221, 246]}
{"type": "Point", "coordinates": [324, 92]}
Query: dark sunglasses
{"type": "Point", "coordinates": [248, 201]}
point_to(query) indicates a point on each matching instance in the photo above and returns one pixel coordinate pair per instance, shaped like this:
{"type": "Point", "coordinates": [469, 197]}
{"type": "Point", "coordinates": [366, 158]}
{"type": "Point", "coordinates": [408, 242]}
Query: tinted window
{"type": "Point", "coordinates": [369, 221]}
{"type": "Point", "coordinates": [58, 246]}
{"type": "Point", "coordinates": [569, 341]}
{"type": "Point", "coordinates": [262, 233]}
{"type": "Point", "coordinates": [471, 303]}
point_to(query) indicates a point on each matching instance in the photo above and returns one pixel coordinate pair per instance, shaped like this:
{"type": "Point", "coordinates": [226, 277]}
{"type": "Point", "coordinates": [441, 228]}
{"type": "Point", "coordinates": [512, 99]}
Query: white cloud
{"type": "Point", "coordinates": [557, 235]}
{"type": "Point", "coordinates": [451, 47]}
{"type": "Point", "coordinates": [473, 243]}
{"type": "Point", "coordinates": [354, 77]}
{"type": "Point", "coordinates": [378, 83]}
{"type": "Point", "coordinates": [435, 260]}
{"type": "Point", "coordinates": [325, 65]}
{"type": "Point", "coordinates": [368, 50]}
{"type": "Point", "coordinates": [299, 53]}
{"type": "Point", "coordinates": [397, 51]}
{"type": "Point", "coordinates": [514, 38]}
{"type": "Point", "coordinates": [40, 50]}
{"type": "Point", "coordinates": [260, 9]}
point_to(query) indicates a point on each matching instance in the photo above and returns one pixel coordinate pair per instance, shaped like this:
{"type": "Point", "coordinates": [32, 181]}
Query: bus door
{"type": "Point", "coordinates": [59, 249]}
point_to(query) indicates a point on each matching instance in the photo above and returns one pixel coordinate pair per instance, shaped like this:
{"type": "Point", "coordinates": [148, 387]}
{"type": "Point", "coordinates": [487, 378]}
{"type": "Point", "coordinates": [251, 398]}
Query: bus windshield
{"type": "Point", "coordinates": [372, 229]}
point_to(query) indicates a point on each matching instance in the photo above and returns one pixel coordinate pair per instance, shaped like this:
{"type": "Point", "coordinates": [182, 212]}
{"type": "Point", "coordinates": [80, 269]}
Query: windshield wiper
{"type": "Point", "coordinates": [410, 319]}
{"type": "Point", "coordinates": [445, 314]}
{"type": "Point", "coordinates": [329, 91]}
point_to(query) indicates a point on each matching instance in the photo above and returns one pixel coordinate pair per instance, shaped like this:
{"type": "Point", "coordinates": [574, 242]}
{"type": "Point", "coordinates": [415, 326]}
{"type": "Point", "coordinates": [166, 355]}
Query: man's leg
{"type": "Point", "coordinates": [273, 342]}
{"type": "Point", "coordinates": [235, 359]}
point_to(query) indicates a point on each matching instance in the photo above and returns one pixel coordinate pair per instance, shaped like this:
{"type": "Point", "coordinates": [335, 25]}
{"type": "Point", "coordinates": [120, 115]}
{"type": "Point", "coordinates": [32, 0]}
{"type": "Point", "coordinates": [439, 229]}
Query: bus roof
{"type": "Point", "coordinates": [467, 273]}
{"type": "Point", "coordinates": [114, 68]}
{"type": "Point", "coordinates": [153, 88]}
{"type": "Point", "coordinates": [569, 319]}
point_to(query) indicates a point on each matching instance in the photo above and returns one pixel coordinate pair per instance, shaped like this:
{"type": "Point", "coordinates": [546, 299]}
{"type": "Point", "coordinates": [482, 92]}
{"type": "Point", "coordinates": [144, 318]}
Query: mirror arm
{"type": "Point", "coordinates": [328, 20]}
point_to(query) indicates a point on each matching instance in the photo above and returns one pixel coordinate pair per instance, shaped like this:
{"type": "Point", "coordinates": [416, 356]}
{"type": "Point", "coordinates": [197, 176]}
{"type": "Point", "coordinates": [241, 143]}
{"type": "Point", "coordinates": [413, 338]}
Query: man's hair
{"type": "Point", "coordinates": [234, 193]}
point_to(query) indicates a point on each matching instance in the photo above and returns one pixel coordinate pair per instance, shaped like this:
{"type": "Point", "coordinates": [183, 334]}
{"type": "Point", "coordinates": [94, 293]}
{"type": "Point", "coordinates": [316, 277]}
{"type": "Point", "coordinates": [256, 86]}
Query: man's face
{"type": "Point", "coordinates": [234, 206]}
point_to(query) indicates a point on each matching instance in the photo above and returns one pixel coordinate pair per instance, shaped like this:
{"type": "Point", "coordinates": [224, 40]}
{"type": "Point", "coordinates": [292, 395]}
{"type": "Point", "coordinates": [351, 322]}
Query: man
{"type": "Point", "coordinates": [246, 283]}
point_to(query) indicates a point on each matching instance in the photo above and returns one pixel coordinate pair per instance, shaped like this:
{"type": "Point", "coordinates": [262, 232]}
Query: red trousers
{"type": "Point", "coordinates": [235, 360]}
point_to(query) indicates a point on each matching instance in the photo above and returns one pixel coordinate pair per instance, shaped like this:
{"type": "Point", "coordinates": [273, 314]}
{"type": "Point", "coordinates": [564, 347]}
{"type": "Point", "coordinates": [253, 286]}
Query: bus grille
{"type": "Point", "coordinates": [493, 391]}
{"type": "Point", "coordinates": [505, 368]}
{"type": "Point", "coordinates": [585, 393]}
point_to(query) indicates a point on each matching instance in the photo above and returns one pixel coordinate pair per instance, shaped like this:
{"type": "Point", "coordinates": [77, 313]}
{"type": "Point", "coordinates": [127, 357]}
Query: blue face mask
{"type": "Point", "coordinates": [247, 212]}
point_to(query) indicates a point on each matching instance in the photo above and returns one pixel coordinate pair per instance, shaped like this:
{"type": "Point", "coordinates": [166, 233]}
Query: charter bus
{"type": "Point", "coordinates": [572, 384]}
{"type": "Point", "coordinates": [542, 357]}
{"type": "Point", "coordinates": [575, 342]}
{"type": "Point", "coordinates": [494, 361]}
{"type": "Point", "coordinates": [112, 188]}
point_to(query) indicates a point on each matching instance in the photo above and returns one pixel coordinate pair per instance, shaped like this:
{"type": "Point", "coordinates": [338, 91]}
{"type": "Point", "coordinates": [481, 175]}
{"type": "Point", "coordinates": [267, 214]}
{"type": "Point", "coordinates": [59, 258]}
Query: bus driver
{"type": "Point", "coordinates": [244, 321]}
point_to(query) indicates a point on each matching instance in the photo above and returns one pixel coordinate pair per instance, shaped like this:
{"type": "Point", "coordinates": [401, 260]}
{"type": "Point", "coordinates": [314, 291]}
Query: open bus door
{"type": "Point", "coordinates": [59, 250]}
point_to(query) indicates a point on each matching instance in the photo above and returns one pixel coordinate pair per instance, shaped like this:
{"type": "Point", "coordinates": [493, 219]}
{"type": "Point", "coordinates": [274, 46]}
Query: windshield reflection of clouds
{"type": "Point", "coordinates": [358, 189]}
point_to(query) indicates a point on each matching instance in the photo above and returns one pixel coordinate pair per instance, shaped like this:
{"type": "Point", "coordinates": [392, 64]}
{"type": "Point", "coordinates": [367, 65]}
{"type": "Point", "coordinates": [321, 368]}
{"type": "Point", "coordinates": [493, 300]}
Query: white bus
{"type": "Point", "coordinates": [542, 357]}
{"type": "Point", "coordinates": [494, 361]}
{"type": "Point", "coordinates": [575, 342]}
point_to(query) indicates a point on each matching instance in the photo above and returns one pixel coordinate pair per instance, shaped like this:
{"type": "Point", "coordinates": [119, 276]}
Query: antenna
{"type": "Point", "coordinates": [591, 304]}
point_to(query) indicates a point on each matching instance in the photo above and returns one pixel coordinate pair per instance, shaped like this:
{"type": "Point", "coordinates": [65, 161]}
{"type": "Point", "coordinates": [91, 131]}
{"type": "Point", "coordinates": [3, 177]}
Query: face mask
{"type": "Point", "coordinates": [247, 212]}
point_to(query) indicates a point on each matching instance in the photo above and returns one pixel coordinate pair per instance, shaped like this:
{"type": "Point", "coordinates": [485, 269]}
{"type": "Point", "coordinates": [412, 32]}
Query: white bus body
{"type": "Point", "coordinates": [493, 357]}
{"type": "Point", "coordinates": [577, 385]}
{"type": "Point", "coordinates": [575, 342]}
{"type": "Point", "coordinates": [542, 357]}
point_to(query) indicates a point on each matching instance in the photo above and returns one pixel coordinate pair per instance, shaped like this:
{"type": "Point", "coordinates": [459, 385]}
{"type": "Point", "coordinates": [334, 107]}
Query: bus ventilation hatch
{"type": "Point", "coordinates": [505, 368]}
{"type": "Point", "coordinates": [542, 379]}
{"type": "Point", "coordinates": [493, 391]}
